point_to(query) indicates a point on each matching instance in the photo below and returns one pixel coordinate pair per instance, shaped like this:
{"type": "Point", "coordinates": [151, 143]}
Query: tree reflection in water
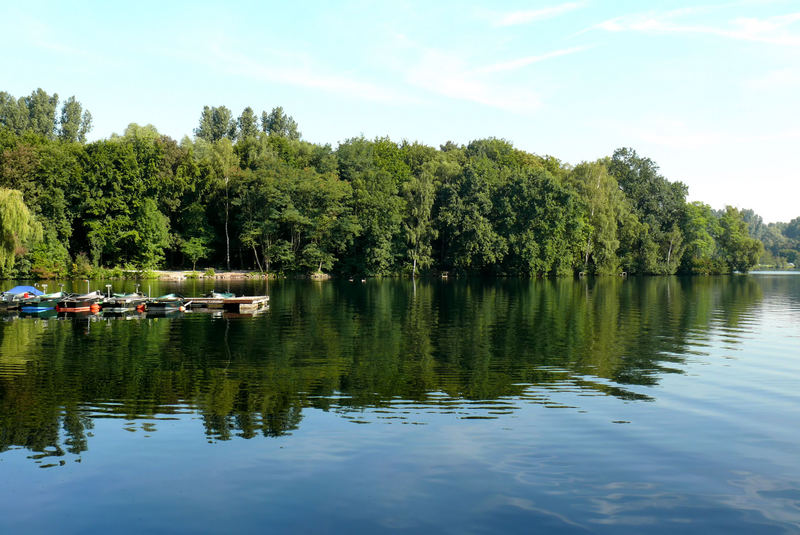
{"type": "Point", "coordinates": [346, 347]}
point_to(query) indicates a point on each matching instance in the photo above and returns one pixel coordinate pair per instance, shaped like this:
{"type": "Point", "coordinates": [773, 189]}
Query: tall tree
{"type": "Point", "coordinates": [279, 124]}
{"type": "Point", "coordinates": [543, 222]}
{"type": "Point", "coordinates": [465, 218]}
{"type": "Point", "coordinates": [86, 126]}
{"type": "Point", "coordinates": [70, 123]}
{"type": "Point", "coordinates": [700, 228]}
{"type": "Point", "coordinates": [740, 251]}
{"type": "Point", "coordinates": [42, 112]}
{"type": "Point", "coordinates": [658, 203]}
{"type": "Point", "coordinates": [152, 230]}
{"type": "Point", "coordinates": [247, 124]}
{"type": "Point", "coordinates": [223, 164]}
{"type": "Point", "coordinates": [375, 170]}
{"type": "Point", "coordinates": [419, 194]}
{"type": "Point", "coordinates": [13, 113]}
{"type": "Point", "coordinates": [792, 229]}
{"type": "Point", "coordinates": [215, 124]}
{"type": "Point", "coordinates": [18, 228]}
{"type": "Point", "coordinates": [607, 208]}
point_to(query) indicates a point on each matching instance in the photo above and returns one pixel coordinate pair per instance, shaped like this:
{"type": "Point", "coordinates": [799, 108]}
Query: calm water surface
{"type": "Point", "coordinates": [657, 405]}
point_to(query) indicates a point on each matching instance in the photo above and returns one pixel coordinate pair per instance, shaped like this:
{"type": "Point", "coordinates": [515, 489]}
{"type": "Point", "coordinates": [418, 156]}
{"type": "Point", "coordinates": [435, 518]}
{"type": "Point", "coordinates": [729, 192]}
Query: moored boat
{"type": "Point", "coordinates": [165, 303]}
{"type": "Point", "coordinates": [120, 303]}
{"type": "Point", "coordinates": [79, 303]}
{"type": "Point", "coordinates": [13, 298]}
{"type": "Point", "coordinates": [40, 303]}
{"type": "Point", "coordinates": [219, 295]}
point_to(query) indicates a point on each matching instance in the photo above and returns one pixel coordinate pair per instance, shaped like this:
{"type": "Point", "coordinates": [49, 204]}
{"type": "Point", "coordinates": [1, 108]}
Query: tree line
{"type": "Point", "coordinates": [248, 192]}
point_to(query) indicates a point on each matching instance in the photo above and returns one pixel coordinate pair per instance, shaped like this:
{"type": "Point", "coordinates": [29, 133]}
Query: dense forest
{"type": "Point", "coordinates": [247, 192]}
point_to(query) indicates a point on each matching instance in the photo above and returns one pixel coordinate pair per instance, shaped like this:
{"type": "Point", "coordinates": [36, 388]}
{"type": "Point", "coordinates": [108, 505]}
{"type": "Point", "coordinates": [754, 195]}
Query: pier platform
{"type": "Point", "coordinates": [242, 305]}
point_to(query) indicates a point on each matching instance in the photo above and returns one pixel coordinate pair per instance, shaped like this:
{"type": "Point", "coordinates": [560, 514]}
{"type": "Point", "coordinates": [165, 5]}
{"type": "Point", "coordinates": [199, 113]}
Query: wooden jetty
{"type": "Point", "coordinates": [241, 305]}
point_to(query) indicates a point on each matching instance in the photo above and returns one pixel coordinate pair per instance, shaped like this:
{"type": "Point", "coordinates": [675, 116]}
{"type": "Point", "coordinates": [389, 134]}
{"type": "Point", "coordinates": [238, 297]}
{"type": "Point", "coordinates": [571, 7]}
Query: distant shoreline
{"type": "Point", "coordinates": [188, 275]}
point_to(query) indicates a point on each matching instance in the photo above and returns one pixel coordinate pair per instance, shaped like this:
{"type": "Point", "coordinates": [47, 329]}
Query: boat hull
{"type": "Point", "coordinates": [40, 305]}
{"type": "Point", "coordinates": [75, 306]}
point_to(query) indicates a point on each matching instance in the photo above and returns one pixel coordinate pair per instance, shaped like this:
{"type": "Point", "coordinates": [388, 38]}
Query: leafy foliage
{"type": "Point", "coordinates": [250, 196]}
{"type": "Point", "coordinates": [18, 228]}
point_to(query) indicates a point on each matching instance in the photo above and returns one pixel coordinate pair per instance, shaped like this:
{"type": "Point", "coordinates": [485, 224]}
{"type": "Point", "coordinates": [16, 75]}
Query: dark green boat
{"type": "Point", "coordinates": [165, 303]}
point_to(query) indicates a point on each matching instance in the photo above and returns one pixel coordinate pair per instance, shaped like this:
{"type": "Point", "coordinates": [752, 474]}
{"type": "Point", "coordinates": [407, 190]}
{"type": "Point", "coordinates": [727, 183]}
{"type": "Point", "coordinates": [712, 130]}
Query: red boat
{"type": "Point", "coordinates": [80, 303]}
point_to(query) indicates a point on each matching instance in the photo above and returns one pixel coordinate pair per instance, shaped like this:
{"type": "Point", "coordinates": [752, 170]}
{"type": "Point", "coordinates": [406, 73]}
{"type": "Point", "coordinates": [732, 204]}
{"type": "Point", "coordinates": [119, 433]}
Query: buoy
{"type": "Point", "coordinates": [182, 308]}
{"type": "Point", "coordinates": [140, 308]}
{"type": "Point", "coordinates": [95, 308]}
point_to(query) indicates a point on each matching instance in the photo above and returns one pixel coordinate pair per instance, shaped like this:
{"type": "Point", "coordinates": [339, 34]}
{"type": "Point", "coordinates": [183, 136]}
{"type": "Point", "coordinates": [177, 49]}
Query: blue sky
{"type": "Point", "coordinates": [708, 90]}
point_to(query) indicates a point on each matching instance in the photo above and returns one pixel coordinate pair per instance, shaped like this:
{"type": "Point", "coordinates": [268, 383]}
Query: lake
{"type": "Point", "coordinates": [640, 405]}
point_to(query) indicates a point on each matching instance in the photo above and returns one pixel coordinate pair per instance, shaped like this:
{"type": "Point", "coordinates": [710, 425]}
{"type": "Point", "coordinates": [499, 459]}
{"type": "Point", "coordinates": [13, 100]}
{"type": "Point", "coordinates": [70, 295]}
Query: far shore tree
{"type": "Point", "coordinates": [248, 192]}
{"type": "Point", "coordinates": [195, 248]}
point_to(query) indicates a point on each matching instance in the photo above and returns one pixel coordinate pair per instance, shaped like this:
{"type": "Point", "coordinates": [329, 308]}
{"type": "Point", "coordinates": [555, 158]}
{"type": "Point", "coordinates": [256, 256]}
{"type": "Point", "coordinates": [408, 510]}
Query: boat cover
{"type": "Point", "coordinates": [24, 289]}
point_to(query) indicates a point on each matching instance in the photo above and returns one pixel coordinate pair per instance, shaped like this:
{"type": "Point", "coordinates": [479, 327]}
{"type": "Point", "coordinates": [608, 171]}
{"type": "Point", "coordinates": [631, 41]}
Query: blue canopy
{"type": "Point", "coordinates": [24, 289]}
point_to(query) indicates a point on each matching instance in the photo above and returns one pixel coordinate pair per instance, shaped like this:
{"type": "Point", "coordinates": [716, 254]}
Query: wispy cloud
{"type": "Point", "coordinates": [448, 75]}
{"type": "Point", "coordinates": [50, 38]}
{"type": "Point", "coordinates": [530, 60]}
{"type": "Point", "coordinates": [300, 71]}
{"type": "Point", "coordinates": [777, 30]}
{"type": "Point", "coordinates": [515, 18]}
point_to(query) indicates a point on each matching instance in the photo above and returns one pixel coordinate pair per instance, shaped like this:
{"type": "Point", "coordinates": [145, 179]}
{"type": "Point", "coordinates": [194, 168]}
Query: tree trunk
{"type": "Point", "coordinates": [669, 253]}
{"type": "Point", "coordinates": [586, 256]}
{"type": "Point", "coordinates": [414, 270]}
{"type": "Point", "coordinates": [255, 253]}
{"type": "Point", "coordinates": [227, 239]}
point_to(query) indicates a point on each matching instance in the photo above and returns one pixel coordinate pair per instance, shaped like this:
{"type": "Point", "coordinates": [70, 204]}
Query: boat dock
{"type": "Point", "coordinates": [241, 305]}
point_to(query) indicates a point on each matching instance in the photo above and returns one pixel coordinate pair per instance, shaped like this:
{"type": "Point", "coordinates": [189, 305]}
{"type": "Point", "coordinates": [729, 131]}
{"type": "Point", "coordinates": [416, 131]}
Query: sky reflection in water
{"type": "Point", "coordinates": [654, 404]}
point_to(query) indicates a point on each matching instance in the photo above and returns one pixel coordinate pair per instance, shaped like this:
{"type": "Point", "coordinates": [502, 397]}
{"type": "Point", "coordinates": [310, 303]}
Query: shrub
{"type": "Point", "coordinates": [146, 274]}
{"type": "Point", "coordinates": [81, 267]}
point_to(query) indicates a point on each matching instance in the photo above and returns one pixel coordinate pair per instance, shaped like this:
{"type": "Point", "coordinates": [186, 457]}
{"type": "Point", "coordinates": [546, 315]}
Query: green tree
{"type": "Point", "coordinates": [279, 124]}
{"type": "Point", "coordinates": [261, 198]}
{"type": "Point", "coordinates": [215, 124]}
{"type": "Point", "coordinates": [42, 112]}
{"type": "Point", "coordinates": [86, 126]}
{"type": "Point", "coordinates": [323, 202]}
{"type": "Point", "coordinates": [740, 251]}
{"type": "Point", "coordinates": [18, 228]}
{"type": "Point", "coordinates": [375, 170]}
{"type": "Point", "coordinates": [464, 217]}
{"type": "Point", "coordinates": [220, 158]}
{"type": "Point", "coordinates": [658, 203]}
{"type": "Point", "coordinates": [607, 210]}
{"type": "Point", "coordinates": [700, 228]}
{"type": "Point", "coordinates": [543, 222]}
{"type": "Point", "coordinates": [247, 124]}
{"type": "Point", "coordinates": [195, 248]}
{"type": "Point", "coordinates": [792, 229]}
{"type": "Point", "coordinates": [419, 195]}
{"type": "Point", "coordinates": [152, 234]}
{"type": "Point", "coordinates": [13, 113]}
{"type": "Point", "coordinates": [49, 258]}
{"type": "Point", "coordinates": [70, 123]}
